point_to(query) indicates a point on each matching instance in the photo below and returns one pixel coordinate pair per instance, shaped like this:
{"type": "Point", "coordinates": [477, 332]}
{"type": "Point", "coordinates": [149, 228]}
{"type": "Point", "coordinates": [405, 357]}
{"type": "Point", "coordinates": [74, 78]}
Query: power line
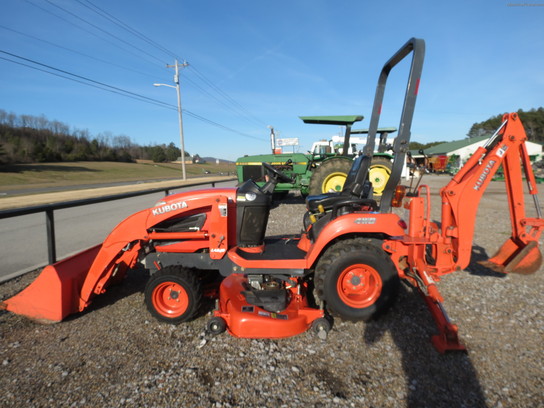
{"type": "Point", "coordinates": [238, 106]}
{"type": "Point", "coordinates": [211, 122]}
{"type": "Point", "coordinates": [113, 89]}
{"type": "Point", "coordinates": [223, 99]}
{"type": "Point", "coordinates": [86, 83]}
{"type": "Point", "coordinates": [232, 104]}
{"type": "Point", "coordinates": [88, 31]}
{"type": "Point", "coordinates": [227, 101]}
{"type": "Point", "coordinates": [85, 78]}
{"type": "Point", "coordinates": [126, 27]}
{"type": "Point", "coordinates": [104, 31]}
{"type": "Point", "coordinates": [79, 52]}
{"type": "Point", "coordinates": [218, 100]}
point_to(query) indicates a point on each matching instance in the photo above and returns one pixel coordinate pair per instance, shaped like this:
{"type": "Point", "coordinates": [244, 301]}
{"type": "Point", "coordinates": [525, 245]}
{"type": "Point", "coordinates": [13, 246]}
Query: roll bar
{"type": "Point", "coordinates": [400, 147]}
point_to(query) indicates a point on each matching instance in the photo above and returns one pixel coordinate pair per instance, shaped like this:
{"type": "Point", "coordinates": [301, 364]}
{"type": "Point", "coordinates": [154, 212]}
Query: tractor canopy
{"type": "Point", "coordinates": [342, 120]}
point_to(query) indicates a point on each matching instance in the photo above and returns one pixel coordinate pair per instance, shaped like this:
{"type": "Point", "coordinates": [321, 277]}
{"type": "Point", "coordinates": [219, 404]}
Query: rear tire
{"type": "Point", "coordinates": [330, 176]}
{"type": "Point", "coordinates": [173, 295]}
{"type": "Point", "coordinates": [356, 280]}
{"type": "Point", "coordinates": [379, 173]}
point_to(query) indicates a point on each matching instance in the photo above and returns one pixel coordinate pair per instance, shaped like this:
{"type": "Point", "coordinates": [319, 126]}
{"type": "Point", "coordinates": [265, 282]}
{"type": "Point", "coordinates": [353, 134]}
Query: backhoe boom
{"type": "Point", "coordinates": [461, 198]}
{"type": "Point", "coordinates": [428, 250]}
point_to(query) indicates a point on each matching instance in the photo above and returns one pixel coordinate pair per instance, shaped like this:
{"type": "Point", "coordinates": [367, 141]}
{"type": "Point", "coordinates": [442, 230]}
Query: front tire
{"type": "Point", "coordinates": [173, 295]}
{"type": "Point", "coordinates": [356, 279]}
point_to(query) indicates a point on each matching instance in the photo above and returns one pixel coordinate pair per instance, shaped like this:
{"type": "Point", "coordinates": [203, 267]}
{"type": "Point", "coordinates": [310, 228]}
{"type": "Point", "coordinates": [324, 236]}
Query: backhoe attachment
{"type": "Point", "coordinates": [520, 253]}
{"type": "Point", "coordinates": [506, 148]}
{"type": "Point", "coordinates": [430, 250]}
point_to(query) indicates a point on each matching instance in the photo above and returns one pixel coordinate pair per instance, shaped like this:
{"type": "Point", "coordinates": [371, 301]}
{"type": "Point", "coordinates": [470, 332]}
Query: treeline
{"type": "Point", "coordinates": [533, 121]}
{"type": "Point", "coordinates": [28, 139]}
{"type": "Point", "coordinates": [422, 146]}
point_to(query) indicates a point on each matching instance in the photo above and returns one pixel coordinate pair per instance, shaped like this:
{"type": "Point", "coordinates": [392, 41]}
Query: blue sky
{"type": "Point", "coordinates": [258, 63]}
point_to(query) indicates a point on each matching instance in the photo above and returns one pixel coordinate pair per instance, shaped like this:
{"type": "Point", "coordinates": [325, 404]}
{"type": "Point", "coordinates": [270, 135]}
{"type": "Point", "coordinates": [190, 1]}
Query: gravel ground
{"type": "Point", "coordinates": [116, 355]}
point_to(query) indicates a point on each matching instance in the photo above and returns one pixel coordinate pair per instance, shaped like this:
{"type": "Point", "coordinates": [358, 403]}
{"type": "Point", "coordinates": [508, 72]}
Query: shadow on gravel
{"type": "Point", "coordinates": [134, 282]}
{"type": "Point", "coordinates": [480, 254]}
{"type": "Point", "coordinates": [432, 379]}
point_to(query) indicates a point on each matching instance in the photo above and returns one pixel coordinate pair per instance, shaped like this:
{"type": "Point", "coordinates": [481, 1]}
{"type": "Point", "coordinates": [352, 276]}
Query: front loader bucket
{"type": "Point", "coordinates": [56, 291]}
{"type": "Point", "coordinates": [512, 257]}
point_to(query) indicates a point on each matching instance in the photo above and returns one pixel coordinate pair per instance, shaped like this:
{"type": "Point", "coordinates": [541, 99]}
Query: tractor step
{"type": "Point", "coordinates": [275, 249]}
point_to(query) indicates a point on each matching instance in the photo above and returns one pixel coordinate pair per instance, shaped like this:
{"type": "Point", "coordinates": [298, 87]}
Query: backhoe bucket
{"type": "Point", "coordinates": [512, 257]}
{"type": "Point", "coordinates": [56, 291]}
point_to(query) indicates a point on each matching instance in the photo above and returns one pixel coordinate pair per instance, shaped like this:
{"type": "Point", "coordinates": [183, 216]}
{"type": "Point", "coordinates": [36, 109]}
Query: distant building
{"type": "Point", "coordinates": [198, 160]}
{"type": "Point", "coordinates": [458, 152]}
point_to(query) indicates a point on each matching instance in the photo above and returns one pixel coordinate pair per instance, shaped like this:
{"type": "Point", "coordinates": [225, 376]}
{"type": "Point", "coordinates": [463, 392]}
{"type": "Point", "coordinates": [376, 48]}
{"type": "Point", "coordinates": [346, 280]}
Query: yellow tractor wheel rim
{"type": "Point", "coordinates": [378, 176]}
{"type": "Point", "coordinates": [334, 182]}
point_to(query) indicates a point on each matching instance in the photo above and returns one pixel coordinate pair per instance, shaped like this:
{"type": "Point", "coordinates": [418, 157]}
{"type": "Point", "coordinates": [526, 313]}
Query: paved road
{"type": "Point", "coordinates": [5, 191]}
{"type": "Point", "coordinates": [24, 241]}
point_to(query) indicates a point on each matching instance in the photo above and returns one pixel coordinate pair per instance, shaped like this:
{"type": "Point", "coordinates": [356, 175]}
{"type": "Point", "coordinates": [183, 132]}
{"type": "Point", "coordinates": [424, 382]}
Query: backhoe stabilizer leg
{"type": "Point", "coordinates": [447, 338]}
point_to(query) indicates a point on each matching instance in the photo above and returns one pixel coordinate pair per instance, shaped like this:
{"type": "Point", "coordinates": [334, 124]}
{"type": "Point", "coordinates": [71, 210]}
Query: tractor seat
{"type": "Point", "coordinates": [355, 196]}
{"type": "Point", "coordinates": [330, 200]}
{"type": "Point", "coordinates": [326, 200]}
{"type": "Point", "coordinates": [354, 187]}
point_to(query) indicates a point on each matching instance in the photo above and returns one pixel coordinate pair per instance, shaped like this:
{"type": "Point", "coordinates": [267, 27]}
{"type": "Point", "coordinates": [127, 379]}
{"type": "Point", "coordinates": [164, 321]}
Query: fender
{"type": "Point", "coordinates": [355, 224]}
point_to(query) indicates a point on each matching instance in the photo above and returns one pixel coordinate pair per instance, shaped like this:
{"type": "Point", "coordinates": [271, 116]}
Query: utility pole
{"type": "Point", "coordinates": [272, 139]}
{"type": "Point", "coordinates": [180, 120]}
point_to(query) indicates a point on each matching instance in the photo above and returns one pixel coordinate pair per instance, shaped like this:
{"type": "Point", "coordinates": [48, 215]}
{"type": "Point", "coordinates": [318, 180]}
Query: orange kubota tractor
{"type": "Point", "coordinates": [348, 260]}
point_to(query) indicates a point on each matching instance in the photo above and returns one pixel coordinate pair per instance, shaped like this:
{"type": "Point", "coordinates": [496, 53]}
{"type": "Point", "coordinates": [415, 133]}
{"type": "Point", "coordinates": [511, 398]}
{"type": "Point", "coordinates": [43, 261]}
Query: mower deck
{"type": "Point", "coordinates": [250, 321]}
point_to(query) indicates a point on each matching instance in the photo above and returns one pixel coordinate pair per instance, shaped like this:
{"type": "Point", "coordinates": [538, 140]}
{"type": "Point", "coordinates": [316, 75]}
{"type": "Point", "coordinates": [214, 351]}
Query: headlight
{"type": "Point", "coordinates": [251, 196]}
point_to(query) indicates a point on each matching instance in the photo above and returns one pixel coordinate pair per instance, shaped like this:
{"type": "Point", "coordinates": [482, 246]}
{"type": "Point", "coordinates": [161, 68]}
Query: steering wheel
{"type": "Point", "coordinates": [277, 174]}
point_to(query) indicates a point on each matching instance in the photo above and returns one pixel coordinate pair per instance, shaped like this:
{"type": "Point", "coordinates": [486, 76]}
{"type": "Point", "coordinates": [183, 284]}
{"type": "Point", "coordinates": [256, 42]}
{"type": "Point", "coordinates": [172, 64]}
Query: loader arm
{"type": "Point", "coordinates": [69, 286]}
{"type": "Point", "coordinates": [461, 198]}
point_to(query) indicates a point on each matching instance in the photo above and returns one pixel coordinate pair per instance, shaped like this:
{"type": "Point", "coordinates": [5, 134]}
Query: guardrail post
{"type": "Point", "coordinates": [51, 247]}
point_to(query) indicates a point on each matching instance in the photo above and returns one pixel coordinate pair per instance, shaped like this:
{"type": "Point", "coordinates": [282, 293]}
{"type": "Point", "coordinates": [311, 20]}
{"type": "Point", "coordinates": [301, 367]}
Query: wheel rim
{"type": "Point", "coordinates": [379, 176]}
{"type": "Point", "coordinates": [170, 299]}
{"type": "Point", "coordinates": [359, 286]}
{"type": "Point", "coordinates": [334, 182]}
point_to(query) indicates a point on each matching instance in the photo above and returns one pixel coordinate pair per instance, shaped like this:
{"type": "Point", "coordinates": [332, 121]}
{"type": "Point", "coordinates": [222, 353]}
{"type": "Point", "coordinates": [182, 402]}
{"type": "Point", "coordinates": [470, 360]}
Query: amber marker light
{"type": "Point", "coordinates": [400, 192]}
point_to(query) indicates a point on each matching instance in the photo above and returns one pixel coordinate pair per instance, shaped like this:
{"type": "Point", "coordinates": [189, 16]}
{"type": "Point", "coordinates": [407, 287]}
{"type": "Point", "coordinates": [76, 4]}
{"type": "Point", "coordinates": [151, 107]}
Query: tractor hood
{"type": "Point", "coordinates": [273, 159]}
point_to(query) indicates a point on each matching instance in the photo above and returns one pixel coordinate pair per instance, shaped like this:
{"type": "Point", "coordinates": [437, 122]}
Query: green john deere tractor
{"type": "Point", "coordinates": [325, 168]}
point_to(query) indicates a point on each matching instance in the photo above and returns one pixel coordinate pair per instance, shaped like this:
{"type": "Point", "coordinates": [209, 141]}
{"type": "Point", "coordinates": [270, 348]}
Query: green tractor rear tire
{"type": "Point", "coordinates": [379, 173]}
{"type": "Point", "coordinates": [330, 176]}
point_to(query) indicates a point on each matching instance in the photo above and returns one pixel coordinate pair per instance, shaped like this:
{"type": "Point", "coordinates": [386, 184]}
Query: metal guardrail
{"type": "Point", "coordinates": [50, 208]}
